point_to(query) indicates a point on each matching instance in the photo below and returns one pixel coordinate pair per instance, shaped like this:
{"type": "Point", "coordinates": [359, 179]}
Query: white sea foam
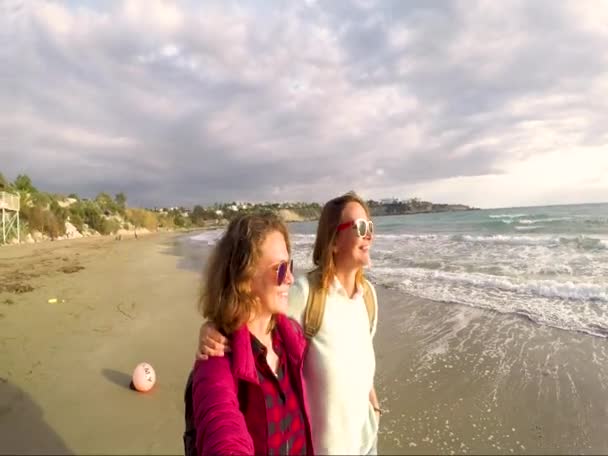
{"type": "Point", "coordinates": [579, 306]}
{"type": "Point", "coordinates": [529, 228]}
{"type": "Point", "coordinates": [208, 237]}
{"type": "Point", "coordinates": [506, 216]}
{"type": "Point", "coordinates": [302, 239]}
{"type": "Point", "coordinates": [416, 237]}
{"type": "Point", "coordinates": [578, 241]}
{"type": "Point", "coordinates": [545, 288]}
{"type": "Point", "coordinates": [543, 220]}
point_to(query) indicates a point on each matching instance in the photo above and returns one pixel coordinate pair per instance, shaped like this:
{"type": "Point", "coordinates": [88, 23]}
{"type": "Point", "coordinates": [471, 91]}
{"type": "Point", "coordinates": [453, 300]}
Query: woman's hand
{"type": "Point", "coordinates": [211, 342]}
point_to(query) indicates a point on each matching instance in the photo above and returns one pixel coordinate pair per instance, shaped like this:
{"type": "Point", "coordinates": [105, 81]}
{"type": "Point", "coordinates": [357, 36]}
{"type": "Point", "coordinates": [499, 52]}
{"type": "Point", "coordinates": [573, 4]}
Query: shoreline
{"type": "Point", "coordinates": [118, 236]}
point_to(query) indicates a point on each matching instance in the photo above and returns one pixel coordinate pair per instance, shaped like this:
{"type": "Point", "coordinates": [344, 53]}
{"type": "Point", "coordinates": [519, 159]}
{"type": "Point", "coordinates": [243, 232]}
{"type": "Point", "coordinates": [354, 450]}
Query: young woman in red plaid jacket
{"type": "Point", "coordinates": [253, 400]}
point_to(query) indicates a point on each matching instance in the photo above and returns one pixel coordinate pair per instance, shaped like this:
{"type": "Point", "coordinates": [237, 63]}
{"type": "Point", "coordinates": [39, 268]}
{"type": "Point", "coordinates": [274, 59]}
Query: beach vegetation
{"type": "Point", "coordinates": [4, 183]}
{"type": "Point", "coordinates": [24, 183]}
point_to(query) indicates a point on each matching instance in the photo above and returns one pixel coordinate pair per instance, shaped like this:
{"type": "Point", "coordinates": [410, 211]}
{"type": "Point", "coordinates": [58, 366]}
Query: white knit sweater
{"type": "Point", "coordinates": [339, 371]}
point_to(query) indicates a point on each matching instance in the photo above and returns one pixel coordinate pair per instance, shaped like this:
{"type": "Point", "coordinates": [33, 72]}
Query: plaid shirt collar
{"type": "Point", "coordinates": [259, 349]}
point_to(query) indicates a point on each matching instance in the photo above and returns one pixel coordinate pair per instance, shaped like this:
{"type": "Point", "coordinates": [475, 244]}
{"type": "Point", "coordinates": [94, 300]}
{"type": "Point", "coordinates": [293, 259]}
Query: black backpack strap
{"type": "Point", "coordinates": [190, 430]}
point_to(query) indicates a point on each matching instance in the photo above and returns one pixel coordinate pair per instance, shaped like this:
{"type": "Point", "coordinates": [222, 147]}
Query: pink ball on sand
{"type": "Point", "coordinates": [144, 377]}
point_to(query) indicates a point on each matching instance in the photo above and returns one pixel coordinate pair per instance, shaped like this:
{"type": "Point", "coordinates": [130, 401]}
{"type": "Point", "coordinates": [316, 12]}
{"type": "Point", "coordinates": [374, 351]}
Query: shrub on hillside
{"type": "Point", "coordinates": [107, 204]}
{"type": "Point", "coordinates": [93, 217]}
{"type": "Point", "coordinates": [77, 221]}
{"type": "Point", "coordinates": [110, 226]}
{"type": "Point", "coordinates": [41, 199]}
{"type": "Point", "coordinates": [4, 183]}
{"type": "Point", "coordinates": [181, 222]}
{"type": "Point", "coordinates": [142, 218]}
{"type": "Point", "coordinates": [166, 221]}
{"type": "Point", "coordinates": [43, 220]}
{"type": "Point", "coordinates": [60, 212]}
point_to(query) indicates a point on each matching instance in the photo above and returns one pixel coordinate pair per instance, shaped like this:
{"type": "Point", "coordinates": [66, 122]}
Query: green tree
{"type": "Point", "coordinates": [121, 200]}
{"type": "Point", "coordinates": [24, 184]}
{"type": "Point", "coordinates": [4, 184]}
{"type": "Point", "coordinates": [179, 220]}
{"type": "Point", "coordinates": [106, 203]}
{"type": "Point", "coordinates": [61, 213]}
{"type": "Point", "coordinates": [198, 214]}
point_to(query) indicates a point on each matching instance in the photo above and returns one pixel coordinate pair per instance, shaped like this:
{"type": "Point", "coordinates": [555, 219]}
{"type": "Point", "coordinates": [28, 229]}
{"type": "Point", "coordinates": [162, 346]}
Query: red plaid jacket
{"type": "Point", "coordinates": [229, 403]}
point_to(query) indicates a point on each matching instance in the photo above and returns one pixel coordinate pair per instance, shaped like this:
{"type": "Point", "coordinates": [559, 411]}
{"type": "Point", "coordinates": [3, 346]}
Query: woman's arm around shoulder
{"type": "Point", "coordinates": [220, 425]}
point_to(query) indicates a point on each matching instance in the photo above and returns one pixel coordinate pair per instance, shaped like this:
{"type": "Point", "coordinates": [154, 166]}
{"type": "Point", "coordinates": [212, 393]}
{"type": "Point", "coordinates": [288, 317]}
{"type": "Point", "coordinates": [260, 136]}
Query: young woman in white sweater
{"type": "Point", "coordinates": [340, 363]}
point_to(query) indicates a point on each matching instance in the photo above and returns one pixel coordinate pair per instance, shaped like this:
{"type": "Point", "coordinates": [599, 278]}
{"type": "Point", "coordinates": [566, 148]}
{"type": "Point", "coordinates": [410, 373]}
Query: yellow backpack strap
{"type": "Point", "coordinates": [370, 303]}
{"type": "Point", "coordinates": [315, 305]}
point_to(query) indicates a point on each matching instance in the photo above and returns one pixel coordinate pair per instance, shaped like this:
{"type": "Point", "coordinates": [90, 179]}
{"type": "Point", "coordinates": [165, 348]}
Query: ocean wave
{"type": "Point", "coordinates": [415, 237]}
{"type": "Point", "coordinates": [302, 239]}
{"type": "Point", "coordinates": [310, 237]}
{"type": "Point", "coordinates": [208, 237]}
{"type": "Point", "coordinates": [569, 290]}
{"type": "Point", "coordinates": [582, 242]}
{"type": "Point", "coordinates": [506, 216]}
{"type": "Point", "coordinates": [574, 306]}
{"type": "Point", "coordinates": [543, 220]}
{"type": "Point", "coordinates": [569, 305]}
{"type": "Point", "coordinates": [596, 221]}
{"type": "Point", "coordinates": [529, 228]}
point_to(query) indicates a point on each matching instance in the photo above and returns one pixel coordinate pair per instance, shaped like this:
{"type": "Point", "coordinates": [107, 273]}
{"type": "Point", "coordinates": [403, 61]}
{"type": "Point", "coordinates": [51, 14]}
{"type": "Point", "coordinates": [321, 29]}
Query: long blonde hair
{"type": "Point", "coordinates": [322, 255]}
{"type": "Point", "coordinates": [226, 298]}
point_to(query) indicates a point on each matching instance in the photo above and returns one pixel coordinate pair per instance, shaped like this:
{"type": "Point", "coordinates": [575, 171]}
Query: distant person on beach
{"type": "Point", "coordinates": [251, 401]}
{"type": "Point", "coordinates": [340, 364]}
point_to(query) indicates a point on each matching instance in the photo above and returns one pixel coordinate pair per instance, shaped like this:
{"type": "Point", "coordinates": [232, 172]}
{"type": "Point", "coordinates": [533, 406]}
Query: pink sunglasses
{"type": "Point", "coordinates": [282, 269]}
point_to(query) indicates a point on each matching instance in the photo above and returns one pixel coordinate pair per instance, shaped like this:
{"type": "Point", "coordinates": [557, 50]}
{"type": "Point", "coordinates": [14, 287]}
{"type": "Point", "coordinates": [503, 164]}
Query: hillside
{"type": "Point", "coordinates": [49, 216]}
{"type": "Point", "coordinates": [413, 206]}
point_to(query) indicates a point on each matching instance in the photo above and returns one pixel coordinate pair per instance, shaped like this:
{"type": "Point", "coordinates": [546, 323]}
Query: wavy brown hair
{"type": "Point", "coordinates": [322, 256]}
{"type": "Point", "coordinates": [226, 298]}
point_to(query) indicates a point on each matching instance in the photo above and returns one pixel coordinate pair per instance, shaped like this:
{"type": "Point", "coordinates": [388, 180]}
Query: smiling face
{"type": "Point", "coordinates": [351, 250]}
{"type": "Point", "coordinates": [264, 284]}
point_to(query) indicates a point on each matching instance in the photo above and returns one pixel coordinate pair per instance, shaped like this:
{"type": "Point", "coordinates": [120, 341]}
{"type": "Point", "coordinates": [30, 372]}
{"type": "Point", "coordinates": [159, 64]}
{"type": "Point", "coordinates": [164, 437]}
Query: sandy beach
{"type": "Point", "coordinates": [453, 379]}
{"type": "Point", "coordinates": [65, 367]}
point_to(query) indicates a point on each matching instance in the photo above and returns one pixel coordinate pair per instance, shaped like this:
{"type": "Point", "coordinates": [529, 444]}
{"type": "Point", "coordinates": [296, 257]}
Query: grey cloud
{"type": "Point", "coordinates": [297, 102]}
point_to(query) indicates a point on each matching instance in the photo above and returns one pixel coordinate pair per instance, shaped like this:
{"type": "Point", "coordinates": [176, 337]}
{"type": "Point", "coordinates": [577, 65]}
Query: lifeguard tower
{"type": "Point", "coordinates": [9, 205]}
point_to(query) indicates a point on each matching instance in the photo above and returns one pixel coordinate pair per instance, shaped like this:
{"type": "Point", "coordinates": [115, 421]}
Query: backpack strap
{"type": "Point", "coordinates": [370, 303]}
{"type": "Point", "coordinates": [315, 305]}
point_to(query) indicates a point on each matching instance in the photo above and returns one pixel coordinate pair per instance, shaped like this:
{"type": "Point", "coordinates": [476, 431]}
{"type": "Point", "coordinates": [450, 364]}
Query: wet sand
{"type": "Point", "coordinates": [453, 379]}
{"type": "Point", "coordinates": [469, 381]}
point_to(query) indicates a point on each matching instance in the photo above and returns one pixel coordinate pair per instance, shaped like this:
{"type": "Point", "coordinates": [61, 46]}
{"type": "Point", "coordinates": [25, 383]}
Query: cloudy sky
{"type": "Point", "coordinates": [489, 103]}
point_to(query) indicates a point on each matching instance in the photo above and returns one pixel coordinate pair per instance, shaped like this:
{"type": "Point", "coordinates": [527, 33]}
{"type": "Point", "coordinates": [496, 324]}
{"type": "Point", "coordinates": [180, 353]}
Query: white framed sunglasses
{"type": "Point", "coordinates": [363, 227]}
